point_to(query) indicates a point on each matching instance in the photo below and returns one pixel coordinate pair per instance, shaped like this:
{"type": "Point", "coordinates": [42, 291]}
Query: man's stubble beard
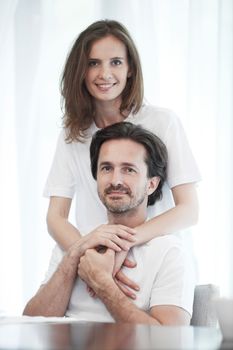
{"type": "Point", "coordinates": [118, 206]}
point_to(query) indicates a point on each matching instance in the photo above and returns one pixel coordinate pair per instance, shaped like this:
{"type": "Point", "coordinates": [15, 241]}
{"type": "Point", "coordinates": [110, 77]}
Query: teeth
{"type": "Point", "coordinates": [104, 86]}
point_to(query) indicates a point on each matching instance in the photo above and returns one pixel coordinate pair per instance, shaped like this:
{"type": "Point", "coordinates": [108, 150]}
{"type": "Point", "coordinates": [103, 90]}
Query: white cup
{"type": "Point", "coordinates": [224, 310]}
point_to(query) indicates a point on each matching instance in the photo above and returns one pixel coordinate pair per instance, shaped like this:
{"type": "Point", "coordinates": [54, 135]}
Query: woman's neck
{"type": "Point", "coordinates": [108, 113]}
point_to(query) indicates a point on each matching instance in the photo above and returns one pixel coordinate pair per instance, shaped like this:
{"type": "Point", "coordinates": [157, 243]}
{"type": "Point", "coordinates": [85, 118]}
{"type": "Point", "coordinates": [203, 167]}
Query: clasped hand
{"type": "Point", "coordinates": [119, 239]}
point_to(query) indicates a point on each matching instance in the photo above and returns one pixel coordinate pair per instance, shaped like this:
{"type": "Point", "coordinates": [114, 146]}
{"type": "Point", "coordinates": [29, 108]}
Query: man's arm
{"type": "Point", "coordinates": [53, 297]}
{"type": "Point", "coordinates": [92, 269]}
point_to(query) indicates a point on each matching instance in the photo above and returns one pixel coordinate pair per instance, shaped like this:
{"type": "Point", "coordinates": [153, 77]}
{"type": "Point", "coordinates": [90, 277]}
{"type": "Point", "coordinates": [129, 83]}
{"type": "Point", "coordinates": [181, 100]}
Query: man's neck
{"type": "Point", "coordinates": [130, 219]}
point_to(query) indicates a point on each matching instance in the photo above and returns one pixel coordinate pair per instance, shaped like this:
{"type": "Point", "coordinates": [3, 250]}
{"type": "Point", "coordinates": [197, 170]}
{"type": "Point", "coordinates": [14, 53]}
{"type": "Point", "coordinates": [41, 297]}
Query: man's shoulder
{"type": "Point", "coordinates": [166, 241]}
{"type": "Point", "coordinates": [158, 248]}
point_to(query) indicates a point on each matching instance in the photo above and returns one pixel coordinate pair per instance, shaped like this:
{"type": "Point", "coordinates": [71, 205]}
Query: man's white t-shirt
{"type": "Point", "coordinates": [164, 273]}
{"type": "Point", "coordinates": [70, 173]}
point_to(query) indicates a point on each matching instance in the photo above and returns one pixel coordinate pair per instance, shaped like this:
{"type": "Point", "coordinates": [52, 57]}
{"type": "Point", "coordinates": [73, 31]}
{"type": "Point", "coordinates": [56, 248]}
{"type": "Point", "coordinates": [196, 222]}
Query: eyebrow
{"type": "Point", "coordinates": [122, 164]}
{"type": "Point", "coordinates": [113, 58]}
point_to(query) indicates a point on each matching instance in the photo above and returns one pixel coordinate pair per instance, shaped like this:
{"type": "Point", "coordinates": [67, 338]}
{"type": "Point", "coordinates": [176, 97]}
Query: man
{"type": "Point", "coordinates": [129, 164]}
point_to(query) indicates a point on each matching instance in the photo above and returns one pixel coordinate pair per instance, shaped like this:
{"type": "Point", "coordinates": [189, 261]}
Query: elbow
{"type": "Point", "coordinates": [194, 217]}
{"type": "Point", "coordinates": [49, 223]}
{"type": "Point", "coordinates": [30, 310]}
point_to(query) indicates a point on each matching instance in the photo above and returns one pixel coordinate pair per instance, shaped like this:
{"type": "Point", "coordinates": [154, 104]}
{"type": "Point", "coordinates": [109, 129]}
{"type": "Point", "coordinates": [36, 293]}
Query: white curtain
{"type": "Point", "coordinates": [186, 48]}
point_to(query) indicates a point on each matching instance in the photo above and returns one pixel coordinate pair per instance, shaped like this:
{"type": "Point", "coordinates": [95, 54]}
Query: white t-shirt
{"type": "Point", "coordinates": [164, 273]}
{"type": "Point", "coordinates": [70, 173]}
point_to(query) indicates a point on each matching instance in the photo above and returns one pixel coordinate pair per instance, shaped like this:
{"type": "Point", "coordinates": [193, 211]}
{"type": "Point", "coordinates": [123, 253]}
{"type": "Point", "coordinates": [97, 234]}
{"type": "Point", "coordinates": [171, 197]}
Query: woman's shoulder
{"type": "Point", "coordinates": [156, 119]}
{"type": "Point", "coordinates": [155, 112]}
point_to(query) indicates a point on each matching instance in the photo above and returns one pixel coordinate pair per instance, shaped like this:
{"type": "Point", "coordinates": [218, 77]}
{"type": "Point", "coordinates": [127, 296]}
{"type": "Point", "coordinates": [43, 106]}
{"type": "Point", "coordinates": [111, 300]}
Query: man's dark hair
{"type": "Point", "coordinates": [156, 152]}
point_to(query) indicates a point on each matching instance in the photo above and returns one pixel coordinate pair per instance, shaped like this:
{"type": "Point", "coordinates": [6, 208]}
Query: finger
{"type": "Point", "coordinates": [129, 293]}
{"type": "Point", "coordinates": [129, 263]}
{"type": "Point", "coordinates": [105, 242]}
{"type": "Point", "coordinates": [121, 243]}
{"type": "Point", "coordinates": [121, 277]}
{"type": "Point", "coordinates": [120, 231]}
{"type": "Point", "coordinates": [128, 229]}
{"type": "Point", "coordinates": [91, 291]}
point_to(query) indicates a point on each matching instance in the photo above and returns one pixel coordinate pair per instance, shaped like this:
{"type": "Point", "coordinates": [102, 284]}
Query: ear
{"type": "Point", "coordinates": [153, 183]}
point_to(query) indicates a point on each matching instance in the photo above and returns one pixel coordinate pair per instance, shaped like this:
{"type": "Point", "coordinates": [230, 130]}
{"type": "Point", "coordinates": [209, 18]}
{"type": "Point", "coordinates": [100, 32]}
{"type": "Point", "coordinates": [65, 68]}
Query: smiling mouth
{"type": "Point", "coordinates": [105, 87]}
{"type": "Point", "coordinates": [117, 193]}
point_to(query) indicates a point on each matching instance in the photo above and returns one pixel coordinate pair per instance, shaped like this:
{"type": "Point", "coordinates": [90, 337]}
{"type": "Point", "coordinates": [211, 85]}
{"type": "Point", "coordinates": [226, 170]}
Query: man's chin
{"type": "Point", "coordinates": [116, 208]}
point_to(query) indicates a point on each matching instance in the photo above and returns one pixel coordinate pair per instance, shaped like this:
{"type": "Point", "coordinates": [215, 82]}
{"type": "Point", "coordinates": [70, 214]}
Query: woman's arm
{"type": "Point", "coordinates": [183, 215]}
{"type": "Point", "coordinates": [116, 237]}
{"type": "Point", "coordinates": [62, 231]}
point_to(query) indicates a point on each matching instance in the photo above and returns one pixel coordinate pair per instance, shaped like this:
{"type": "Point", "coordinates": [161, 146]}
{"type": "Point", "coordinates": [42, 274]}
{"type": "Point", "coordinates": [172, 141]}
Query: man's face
{"type": "Point", "coordinates": [122, 179]}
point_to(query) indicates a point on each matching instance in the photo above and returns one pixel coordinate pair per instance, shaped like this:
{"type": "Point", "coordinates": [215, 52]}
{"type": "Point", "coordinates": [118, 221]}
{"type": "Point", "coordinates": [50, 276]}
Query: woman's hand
{"type": "Point", "coordinates": [116, 237]}
{"type": "Point", "coordinates": [121, 279]}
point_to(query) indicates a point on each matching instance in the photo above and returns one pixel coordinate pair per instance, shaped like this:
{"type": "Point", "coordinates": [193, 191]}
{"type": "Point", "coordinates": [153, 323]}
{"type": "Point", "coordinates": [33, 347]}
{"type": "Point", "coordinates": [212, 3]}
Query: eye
{"type": "Point", "coordinates": [92, 63]}
{"type": "Point", "coordinates": [106, 168]}
{"type": "Point", "coordinates": [129, 170]}
{"type": "Point", "coordinates": [116, 62]}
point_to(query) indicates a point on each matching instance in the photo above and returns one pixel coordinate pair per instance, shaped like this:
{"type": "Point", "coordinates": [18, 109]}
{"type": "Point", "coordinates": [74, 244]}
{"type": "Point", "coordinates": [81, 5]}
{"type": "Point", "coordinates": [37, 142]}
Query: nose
{"type": "Point", "coordinates": [105, 72]}
{"type": "Point", "coordinates": [116, 178]}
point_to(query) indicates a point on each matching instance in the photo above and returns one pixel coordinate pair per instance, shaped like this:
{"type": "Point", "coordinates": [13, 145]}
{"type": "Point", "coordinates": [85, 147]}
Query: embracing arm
{"type": "Point", "coordinates": [57, 222]}
{"type": "Point", "coordinates": [183, 215]}
{"type": "Point", "coordinates": [116, 237]}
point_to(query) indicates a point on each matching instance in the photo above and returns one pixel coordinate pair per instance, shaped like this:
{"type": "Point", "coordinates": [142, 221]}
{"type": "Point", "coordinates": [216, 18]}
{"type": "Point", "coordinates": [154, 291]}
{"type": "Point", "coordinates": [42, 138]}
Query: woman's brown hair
{"type": "Point", "coordinates": [78, 104]}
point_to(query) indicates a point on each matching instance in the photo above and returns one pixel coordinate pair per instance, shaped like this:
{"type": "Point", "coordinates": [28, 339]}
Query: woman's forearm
{"type": "Point", "coordinates": [61, 230]}
{"type": "Point", "coordinates": [183, 215]}
{"type": "Point", "coordinates": [64, 233]}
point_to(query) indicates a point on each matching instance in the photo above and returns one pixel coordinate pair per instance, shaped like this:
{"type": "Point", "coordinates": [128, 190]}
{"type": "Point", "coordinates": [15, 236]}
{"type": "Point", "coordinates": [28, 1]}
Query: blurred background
{"type": "Point", "coordinates": [186, 49]}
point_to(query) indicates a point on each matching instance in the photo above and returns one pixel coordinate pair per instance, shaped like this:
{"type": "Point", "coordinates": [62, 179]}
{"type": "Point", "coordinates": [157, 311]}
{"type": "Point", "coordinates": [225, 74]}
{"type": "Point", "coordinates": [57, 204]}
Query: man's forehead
{"type": "Point", "coordinates": [122, 150]}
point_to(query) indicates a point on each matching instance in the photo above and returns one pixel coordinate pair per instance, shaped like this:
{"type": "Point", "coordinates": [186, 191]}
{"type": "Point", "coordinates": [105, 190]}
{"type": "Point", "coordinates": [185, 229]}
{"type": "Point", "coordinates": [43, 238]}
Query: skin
{"type": "Point", "coordinates": [107, 73]}
{"type": "Point", "coordinates": [105, 79]}
{"type": "Point", "coordinates": [129, 170]}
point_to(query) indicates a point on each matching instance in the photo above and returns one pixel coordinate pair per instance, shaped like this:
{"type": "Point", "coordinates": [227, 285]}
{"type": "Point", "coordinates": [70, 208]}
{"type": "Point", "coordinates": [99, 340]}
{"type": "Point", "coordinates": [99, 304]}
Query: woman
{"type": "Point", "coordinates": [102, 84]}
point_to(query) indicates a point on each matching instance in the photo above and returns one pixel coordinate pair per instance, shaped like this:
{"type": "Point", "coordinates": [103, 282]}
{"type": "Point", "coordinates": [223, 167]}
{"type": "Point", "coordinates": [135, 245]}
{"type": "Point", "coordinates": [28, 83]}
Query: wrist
{"type": "Point", "coordinates": [68, 266]}
{"type": "Point", "coordinates": [74, 254]}
{"type": "Point", "coordinates": [103, 283]}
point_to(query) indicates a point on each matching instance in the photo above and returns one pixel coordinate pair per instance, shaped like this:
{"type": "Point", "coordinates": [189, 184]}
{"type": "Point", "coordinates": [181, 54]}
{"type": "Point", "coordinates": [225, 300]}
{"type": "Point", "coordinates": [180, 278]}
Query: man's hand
{"type": "Point", "coordinates": [96, 268]}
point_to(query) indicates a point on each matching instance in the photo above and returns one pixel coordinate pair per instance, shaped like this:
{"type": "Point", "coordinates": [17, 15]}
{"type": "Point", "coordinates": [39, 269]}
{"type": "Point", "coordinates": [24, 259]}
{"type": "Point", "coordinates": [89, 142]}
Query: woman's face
{"type": "Point", "coordinates": [108, 69]}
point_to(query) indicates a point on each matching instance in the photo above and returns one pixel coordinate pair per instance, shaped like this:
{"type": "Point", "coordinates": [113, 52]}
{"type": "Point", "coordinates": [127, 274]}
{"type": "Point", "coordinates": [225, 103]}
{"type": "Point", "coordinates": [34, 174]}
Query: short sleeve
{"type": "Point", "coordinates": [175, 281]}
{"type": "Point", "coordinates": [61, 180]}
{"type": "Point", "coordinates": [182, 166]}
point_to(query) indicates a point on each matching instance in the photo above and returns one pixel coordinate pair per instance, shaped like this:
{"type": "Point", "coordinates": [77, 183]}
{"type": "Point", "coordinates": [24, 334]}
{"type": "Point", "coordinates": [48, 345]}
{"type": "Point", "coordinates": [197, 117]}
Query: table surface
{"type": "Point", "coordinates": [106, 336]}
